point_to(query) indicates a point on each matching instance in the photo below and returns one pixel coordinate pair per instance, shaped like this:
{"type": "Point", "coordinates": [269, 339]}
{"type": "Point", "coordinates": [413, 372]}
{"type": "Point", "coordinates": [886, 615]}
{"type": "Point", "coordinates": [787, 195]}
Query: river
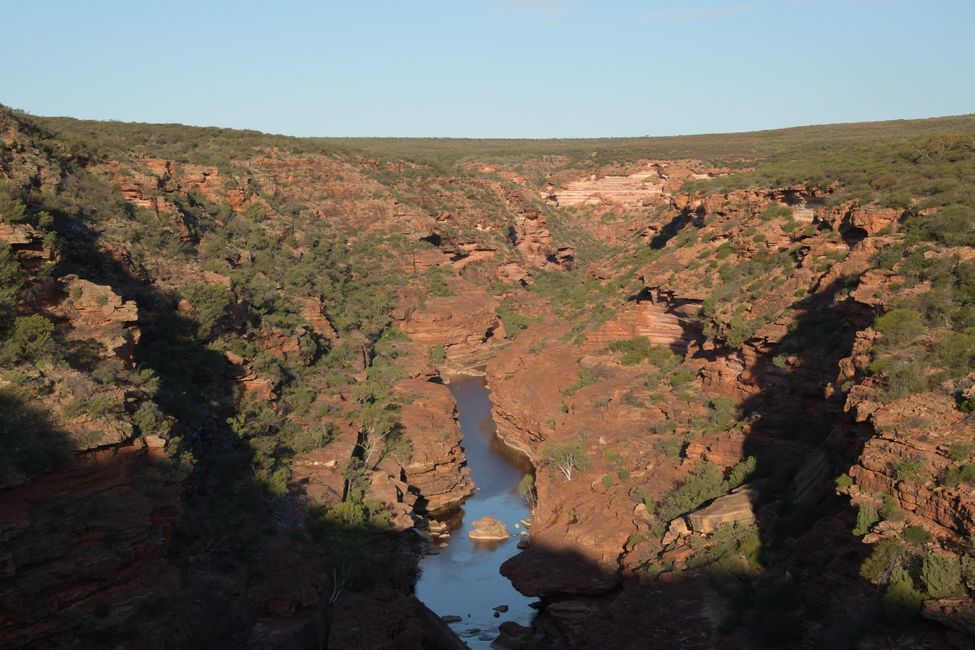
{"type": "Point", "coordinates": [463, 577]}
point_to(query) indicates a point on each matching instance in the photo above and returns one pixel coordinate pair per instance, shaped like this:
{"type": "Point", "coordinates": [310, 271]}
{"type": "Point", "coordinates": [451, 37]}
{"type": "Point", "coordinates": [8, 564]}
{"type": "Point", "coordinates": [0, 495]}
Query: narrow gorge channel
{"type": "Point", "coordinates": [461, 577]}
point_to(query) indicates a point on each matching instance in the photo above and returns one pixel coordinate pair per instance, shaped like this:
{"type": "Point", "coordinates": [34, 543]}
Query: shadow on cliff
{"type": "Point", "coordinates": [804, 589]}
{"type": "Point", "coordinates": [235, 541]}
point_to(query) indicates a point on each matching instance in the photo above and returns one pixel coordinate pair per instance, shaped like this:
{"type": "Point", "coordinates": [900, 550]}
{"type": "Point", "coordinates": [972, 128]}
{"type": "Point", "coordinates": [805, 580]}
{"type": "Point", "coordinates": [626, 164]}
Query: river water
{"type": "Point", "coordinates": [463, 578]}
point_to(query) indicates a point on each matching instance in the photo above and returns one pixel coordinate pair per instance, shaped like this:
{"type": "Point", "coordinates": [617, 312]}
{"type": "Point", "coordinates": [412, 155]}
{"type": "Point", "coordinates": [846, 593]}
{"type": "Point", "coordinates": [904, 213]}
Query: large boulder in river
{"type": "Point", "coordinates": [489, 528]}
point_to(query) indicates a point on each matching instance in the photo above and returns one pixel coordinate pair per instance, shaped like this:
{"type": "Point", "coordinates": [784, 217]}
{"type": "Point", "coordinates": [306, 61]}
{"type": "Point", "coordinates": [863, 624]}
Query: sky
{"type": "Point", "coordinates": [490, 68]}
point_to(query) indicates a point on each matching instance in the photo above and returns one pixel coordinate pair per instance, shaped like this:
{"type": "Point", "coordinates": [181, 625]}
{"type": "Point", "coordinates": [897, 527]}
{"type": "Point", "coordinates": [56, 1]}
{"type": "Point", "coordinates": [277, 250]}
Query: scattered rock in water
{"type": "Point", "coordinates": [497, 614]}
{"type": "Point", "coordinates": [501, 608]}
{"type": "Point", "coordinates": [512, 636]}
{"type": "Point", "coordinates": [523, 543]}
{"type": "Point", "coordinates": [451, 619]}
{"type": "Point", "coordinates": [489, 528]}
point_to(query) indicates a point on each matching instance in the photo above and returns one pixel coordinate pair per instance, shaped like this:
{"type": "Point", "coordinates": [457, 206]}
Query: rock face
{"type": "Point", "coordinates": [436, 469]}
{"type": "Point", "coordinates": [629, 190]}
{"type": "Point", "coordinates": [462, 324]}
{"type": "Point", "coordinates": [96, 313]}
{"type": "Point", "coordinates": [87, 544]}
{"type": "Point", "coordinates": [488, 528]}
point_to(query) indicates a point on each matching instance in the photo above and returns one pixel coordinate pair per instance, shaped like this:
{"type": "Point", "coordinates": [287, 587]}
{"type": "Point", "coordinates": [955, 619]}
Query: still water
{"type": "Point", "coordinates": [463, 578]}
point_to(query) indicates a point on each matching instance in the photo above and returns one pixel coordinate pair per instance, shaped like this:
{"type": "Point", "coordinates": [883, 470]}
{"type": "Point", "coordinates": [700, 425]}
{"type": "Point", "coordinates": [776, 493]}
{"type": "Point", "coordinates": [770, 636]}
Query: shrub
{"type": "Point", "coordinates": [955, 475]}
{"type": "Point", "coordinates": [884, 557]}
{"type": "Point", "coordinates": [941, 575]}
{"type": "Point", "coordinates": [890, 510]}
{"type": "Point", "coordinates": [740, 473]}
{"type": "Point", "coordinates": [635, 350]}
{"type": "Point", "coordinates": [902, 600]}
{"type": "Point", "coordinates": [526, 488]}
{"type": "Point", "coordinates": [958, 451]}
{"type": "Point", "coordinates": [29, 442]}
{"type": "Point", "coordinates": [608, 481]}
{"type": "Point", "coordinates": [739, 331]}
{"type": "Point", "coordinates": [703, 484]}
{"type": "Point", "coordinates": [900, 326]}
{"type": "Point", "coordinates": [866, 517]}
{"type": "Point", "coordinates": [669, 446]}
{"type": "Point", "coordinates": [909, 470]}
{"type": "Point", "coordinates": [211, 304]}
{"type": "Point", "coordinates": [916, 535]}
{"type": "Point", "coordinates": [843, 483]}
{"type": "Point", "coordinates": [31, 339]}
{"type": "Point", "coordinates": [438, 354]}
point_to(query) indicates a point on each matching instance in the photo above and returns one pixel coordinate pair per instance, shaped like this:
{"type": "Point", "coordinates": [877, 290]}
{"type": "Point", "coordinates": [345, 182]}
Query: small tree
{"type": "Point", "coordinates": [941, 575]}
{"type": "Point", "coordinates": [526, 487]}
{"type": "Point", "coordinates": [866, 517]}
{"type": "Point", "coordinates": [566, 457]}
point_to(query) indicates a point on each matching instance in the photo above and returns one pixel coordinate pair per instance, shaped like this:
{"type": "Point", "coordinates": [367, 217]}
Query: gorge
{"type": "Point", "coordinates": [257, 389]}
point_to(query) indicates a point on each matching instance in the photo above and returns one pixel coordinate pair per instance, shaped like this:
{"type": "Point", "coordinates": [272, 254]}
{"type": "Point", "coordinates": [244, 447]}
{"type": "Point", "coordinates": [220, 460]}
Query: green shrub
{"type": "Point", "coordinates": [31, 339]}
{"type": "Point", "coordinates": [909, 470]}
{"type": "Point", "coordinates": [704, 483]}
{"type": "Point", "coordinates": [438, 354]}
{"type": "Point", "coordinates": [635, 350]}
{"type": "Point", "coordinates": [941, 575]}
{"type": "Point", "coordinates": [916, 535]}
{"type": "Point", "coordinates": [902, 600]}
{"type": "Point", "coordinates": [843, 483]}
{"type": "Point", "coordinates": [607, 481]}
{"type": "Point", "coordinates": [740, 473]}
{"type": "Point", "coordinates": [29, 442]}
{"type": "Point", "coordinates": [669, 446]}
{"type": "Point", "coordinates": [211, 305]}
{"type": "Point", "coordinates": [867, 516]}
{"type": "Point", "coordinates": [890, 510]}
{"type": "Point", "coordinates": [955, 475]}
{"type": "Point", "coordinates": [958, 451]}
{"type": "Point", "coordinates": [900, 326]}
{"type": "Point", "coordinates": [884, 557]}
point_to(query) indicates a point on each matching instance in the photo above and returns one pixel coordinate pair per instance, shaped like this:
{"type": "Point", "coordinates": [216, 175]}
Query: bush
{"type": "Point", "coordinates": [740, 473]}
{"type": "Point", "coordinates": [909, 470]}
{"type": "Point", "coordinates": [900, 326]}
{"type": "Point", "coordinates": [669, 446]}
{"type": "Point", "coordinates": [438, 354]}
{"type": "Point", "coordinates": [955, 475]}
{"type": "Point", "coordinates": [29, 442]}
{"type": "Point", "coordinates": [866, 517]}
{"type": "Point", "coordinates": [884, 557]}
{"type": "Point", "coordinates": [634, 350]}
{"type": "Point", "coordinates": [941, 575]}
{"type": "Point", "coordinates": [703, 484]}
{"type": "Point", "coordinates": [211, 303]}
{"type": "Point", "coordinates": [958, 451]}
{"type": "Point", "coordinates": [31, 339]}
{"type": "Point", "coordinates": [902, 600]}
{"type": "Point", "coordinates": [916, 535]}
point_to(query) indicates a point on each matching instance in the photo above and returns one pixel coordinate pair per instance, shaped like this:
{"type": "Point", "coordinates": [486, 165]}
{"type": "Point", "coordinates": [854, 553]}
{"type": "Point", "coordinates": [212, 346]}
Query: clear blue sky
{"type": "Point", "coordinates": [490, 68]}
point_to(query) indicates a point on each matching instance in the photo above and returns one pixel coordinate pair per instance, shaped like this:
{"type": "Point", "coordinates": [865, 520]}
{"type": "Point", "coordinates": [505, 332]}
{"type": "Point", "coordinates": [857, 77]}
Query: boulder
{"type": "Point", "coordinates": [731, 508]}
{"type": "Point", "coordinates": [489, 528]}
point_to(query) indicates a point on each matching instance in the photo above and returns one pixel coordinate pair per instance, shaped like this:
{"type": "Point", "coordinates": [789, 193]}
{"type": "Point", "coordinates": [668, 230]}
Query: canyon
{"type": "Point", "coordinates": [241, 392]}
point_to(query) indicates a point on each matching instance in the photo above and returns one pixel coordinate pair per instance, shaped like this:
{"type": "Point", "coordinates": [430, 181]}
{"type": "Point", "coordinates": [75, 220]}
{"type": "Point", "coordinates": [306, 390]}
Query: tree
{"type": "Point", "coordinates": [941, 575]}
{"type": "Point", "coordinates": [31, 339]}
{"type": "Point", "coordinates": [526, 487]}
{"type": "Point", "coordinates": [566, 457]}
{"type": "Point", "coordinates": [866, 517]}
